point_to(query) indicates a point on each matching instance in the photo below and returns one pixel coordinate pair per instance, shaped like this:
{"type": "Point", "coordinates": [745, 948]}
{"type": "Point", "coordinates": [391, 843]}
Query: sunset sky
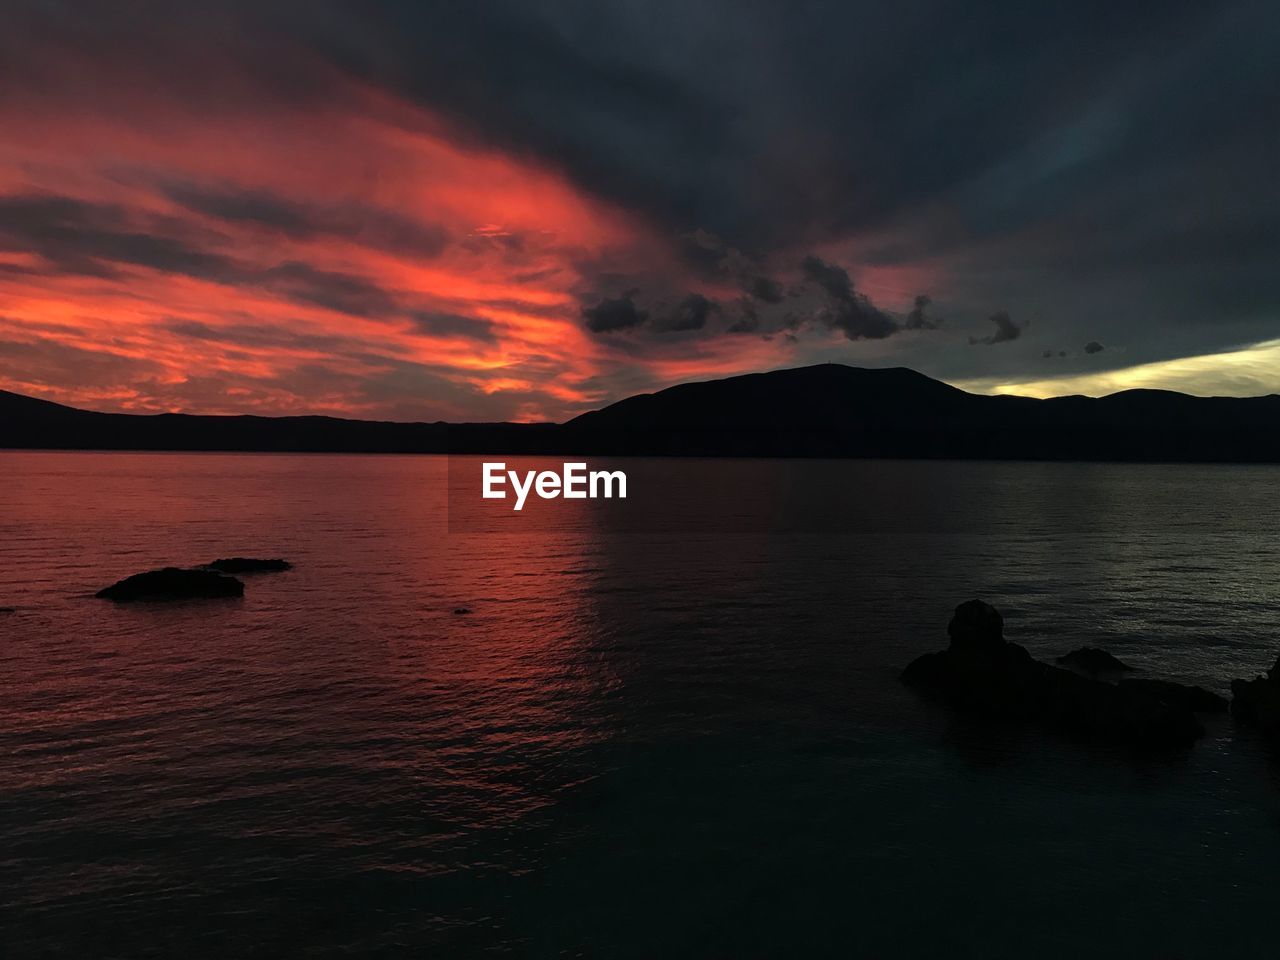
{"type": "Point", "coordinates": [524, 210]}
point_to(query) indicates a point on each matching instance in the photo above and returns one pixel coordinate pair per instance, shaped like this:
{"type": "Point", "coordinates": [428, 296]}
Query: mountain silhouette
{"type": "Point", "coordinates": [828, 410]}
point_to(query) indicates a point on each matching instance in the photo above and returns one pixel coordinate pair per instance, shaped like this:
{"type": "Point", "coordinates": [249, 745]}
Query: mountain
{"type": "Point", "coordinates": [38, 424]}
{"type": "Point", "coordinates": [827, 410]}
{"type": "Point", "coordinates": [839, 411]}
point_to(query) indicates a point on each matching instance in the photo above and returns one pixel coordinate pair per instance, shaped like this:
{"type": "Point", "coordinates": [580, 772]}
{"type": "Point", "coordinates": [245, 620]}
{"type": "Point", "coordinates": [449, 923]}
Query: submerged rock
{"type": "Point", "coordinates": [983, 674]}
{"type": "Point", "coordinates": [8, 609]}
{"type": "Point", "coordinates": [249, 565]}
{"type": "Point", "coordinates": [1257, 702]}
{"type": "Point", "coordinates": [459, 611]}
{"type": "Point", "coordinates": [172, 583]}
{"type": "Point", "coordinates": [1178, 694]}
{"type": "Point", "coordinates": [1093, 661]}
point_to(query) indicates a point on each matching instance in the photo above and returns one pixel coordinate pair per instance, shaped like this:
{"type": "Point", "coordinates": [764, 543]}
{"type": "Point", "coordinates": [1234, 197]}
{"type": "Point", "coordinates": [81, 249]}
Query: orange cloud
{"type": "Point", "coordinates": [346, 254]}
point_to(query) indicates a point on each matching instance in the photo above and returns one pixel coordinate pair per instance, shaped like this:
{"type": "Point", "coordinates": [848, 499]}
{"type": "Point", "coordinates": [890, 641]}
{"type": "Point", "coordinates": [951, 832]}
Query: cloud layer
{"type": "Point", "coordinates": [521, 210]}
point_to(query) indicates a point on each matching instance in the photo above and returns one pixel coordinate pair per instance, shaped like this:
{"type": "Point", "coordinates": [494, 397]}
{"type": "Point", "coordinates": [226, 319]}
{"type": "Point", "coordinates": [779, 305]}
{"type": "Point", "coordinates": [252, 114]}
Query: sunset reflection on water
{"type": "Point", "coordinates": [650, 707]}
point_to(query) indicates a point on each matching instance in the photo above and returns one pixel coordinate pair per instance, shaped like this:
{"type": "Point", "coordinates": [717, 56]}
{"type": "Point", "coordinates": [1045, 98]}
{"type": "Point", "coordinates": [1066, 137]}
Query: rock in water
{"type": "Point", "coordinates": [982, 673]}
{"type": "Point", "coordinates": [1092, 661]}
{"type": "Point", "coordinates": [249, 565]}
{"type": "Point", "coordinates": [172, 583]}
{"type": "Point", "coordinates": [1257, 702]}
{"type": "Point", "coordinates": [1166, 691]}
{"type": "Point", "coordinates": [976, 626]}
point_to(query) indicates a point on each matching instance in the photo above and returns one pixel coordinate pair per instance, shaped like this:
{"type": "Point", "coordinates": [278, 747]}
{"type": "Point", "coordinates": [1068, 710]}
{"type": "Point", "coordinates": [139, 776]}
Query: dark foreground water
{"type": "Point", "coordinates": [648, 739]}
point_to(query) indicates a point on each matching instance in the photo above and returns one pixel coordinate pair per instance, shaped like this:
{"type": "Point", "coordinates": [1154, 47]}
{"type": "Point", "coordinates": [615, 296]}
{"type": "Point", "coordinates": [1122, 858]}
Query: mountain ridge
{"type": "Point", "coordinates": [825, 410]}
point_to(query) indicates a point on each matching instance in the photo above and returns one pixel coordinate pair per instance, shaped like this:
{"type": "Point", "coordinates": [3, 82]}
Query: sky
{"type": "Point", "coordinates": [524, 210]}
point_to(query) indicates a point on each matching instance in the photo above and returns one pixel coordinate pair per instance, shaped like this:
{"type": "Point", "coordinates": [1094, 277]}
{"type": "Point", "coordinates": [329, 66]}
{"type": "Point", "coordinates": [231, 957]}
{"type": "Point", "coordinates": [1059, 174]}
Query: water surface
{"type": "Point", "coordinates": [668, 727]}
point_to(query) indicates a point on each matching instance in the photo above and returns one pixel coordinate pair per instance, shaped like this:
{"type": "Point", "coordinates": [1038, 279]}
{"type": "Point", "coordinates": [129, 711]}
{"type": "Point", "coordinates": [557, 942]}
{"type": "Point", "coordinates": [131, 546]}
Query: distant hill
{"type": "Point", "coordinates": [827, 410]}
{"type": "Point", "coordinates": [839, 411]}
{"type": "Point", "coordinates": [37, 424]}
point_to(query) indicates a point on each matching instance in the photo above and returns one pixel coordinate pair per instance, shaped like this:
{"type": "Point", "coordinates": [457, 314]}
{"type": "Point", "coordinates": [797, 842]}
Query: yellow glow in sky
{"type": "Point", "coordinates": [1248, 372]}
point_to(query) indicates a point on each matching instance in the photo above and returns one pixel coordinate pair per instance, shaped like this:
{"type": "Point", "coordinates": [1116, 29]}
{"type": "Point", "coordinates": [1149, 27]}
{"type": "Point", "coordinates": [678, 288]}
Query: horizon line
{"type": "Point", "coordinates": [1029, 390]}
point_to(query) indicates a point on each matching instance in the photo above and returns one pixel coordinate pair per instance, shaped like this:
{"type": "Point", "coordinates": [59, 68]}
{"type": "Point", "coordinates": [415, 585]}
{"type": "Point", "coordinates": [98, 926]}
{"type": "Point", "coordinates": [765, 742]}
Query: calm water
{"type": "Point", "coordinates": [651, 737]}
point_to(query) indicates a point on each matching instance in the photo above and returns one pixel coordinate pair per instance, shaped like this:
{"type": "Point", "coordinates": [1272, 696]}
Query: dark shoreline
{"type": "Point", "coordinates": [821, 412]}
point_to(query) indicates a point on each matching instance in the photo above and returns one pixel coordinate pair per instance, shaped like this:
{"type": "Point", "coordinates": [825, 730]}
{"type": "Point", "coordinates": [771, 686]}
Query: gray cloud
{"type": "Point", "coordinates": [333, 290]}
{"type": "Point", "coordinates": [1062, 160]}
{"type": "Point", "coordinates": [452, 324]}
{"type": "Point", "coordinates": [825, 296]}
{"type": "Point", "coordinates": [847, 310]}
{"type": "Point", "coordinates": [367, 225]}
{"type": "Point", "coordinates": [77, 237]}
{"type": "Point", "coordinates": [691, 313]}
{"type": "Point", "coordinates": [918, 318]}
{"type": "Point", "coordinates": [1004, 123]}
{"type": "Point", "coordinates": [611, 315]}
{"type": "Point", "coordinates": [747, 319]}
{"type": "Point", "coordinates": [1006, 330]}
{"type": "Point", "coordinates": [716, 260]}
{"type": "Point", "coordinates": [263, 336]}
{"type": "Point", "coordinates": [90, 239]}
{"type": "Point", "coordinates": [50, 364]}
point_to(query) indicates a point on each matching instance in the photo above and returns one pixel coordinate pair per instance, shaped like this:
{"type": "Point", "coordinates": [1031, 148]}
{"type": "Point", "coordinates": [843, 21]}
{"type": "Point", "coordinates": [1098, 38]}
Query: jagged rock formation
{"type": "Point", "coordinates": [983, 674]}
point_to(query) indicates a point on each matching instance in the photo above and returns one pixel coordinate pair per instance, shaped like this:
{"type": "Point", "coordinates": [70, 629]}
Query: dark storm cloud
{"type": "Point", "coordinates": [341, 292]}
{"type": "Point", "coordinates": [48, 363]}
{"type": "Point", "coordinates": [691, 313]}
{"type": "Point", "coordinates": [1076, 155]}
{"type": "Point", "coordinates": [386, 386]}
{"type": "Point", "coordinates": [715, 260]}
{"type": "Point", "coordinates": [265, 337]}
{"type": "Point", "coordinates": [566, 83]}
{"type": "Point", "coordinates": [747, 319]}
{"type": "Point", "coordinates": [245, 206]}
{"type": "Point", "coordinates": [1006, 329]}
{"type": "Point", "coordinates": [619, 313]}
{"type": "Point", "coordinates": [85, 238]}
{"type": "Point", "coordinates": [816, 125]}
{"type": "Point", "coordinates": [918, 318]}
{"type": "Point", "coordinates": [848, 311]}
{"type": "Point", "coordinates": [766, 290]}
{"type": "Point", "coordinates": [369, 226]}
{"type": "Point", "coordinates": [620, 95]}
{"type": "Point", "coordinates": [825, 296]}
{"type": "Point", "coordinates": [76, 237]}
{"type": "Point", "coordinates": [453, 325]}
{"type": "Point", "coordinates": [1093, 346]}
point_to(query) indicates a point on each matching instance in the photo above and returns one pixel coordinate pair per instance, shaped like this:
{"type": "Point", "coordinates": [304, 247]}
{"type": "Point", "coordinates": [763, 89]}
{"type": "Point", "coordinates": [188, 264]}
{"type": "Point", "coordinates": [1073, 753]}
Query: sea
{"type": "Point", "coordinates": [666, 726]}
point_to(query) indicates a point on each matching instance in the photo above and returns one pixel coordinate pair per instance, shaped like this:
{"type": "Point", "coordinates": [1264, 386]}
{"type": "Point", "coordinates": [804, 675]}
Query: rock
{"type": "Point", "coordinates": [1193, 698]}
{"type": "Point", "coordinates": [459, 611]}
{"type": "Point", "coordinates": [1092, 661]}
{"type": "Point", "coordinates": [249, 565]}
{"type": "Point", "coordinates": [976, 626]}
{"type": "Point", "coordinates": [172, 583]}
{"type": "Point", "coordinates": [1257, 702]}
{"type": "Point", "coordinates": [8, 609]}
{"type": "Point", "coordinates": [982, 674]}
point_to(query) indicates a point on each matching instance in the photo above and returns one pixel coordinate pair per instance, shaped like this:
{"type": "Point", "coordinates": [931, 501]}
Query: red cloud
{"type": "Point", "coordinates": [346, 253]}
